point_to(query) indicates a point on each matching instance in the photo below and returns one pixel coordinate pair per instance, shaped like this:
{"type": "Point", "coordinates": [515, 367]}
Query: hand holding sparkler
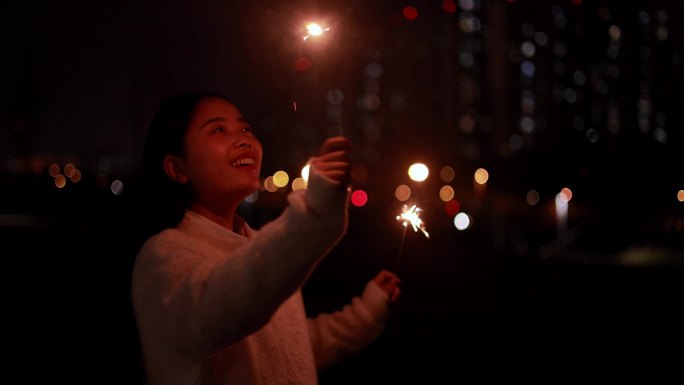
{"type": "Point", "coordinates": [389, 283]}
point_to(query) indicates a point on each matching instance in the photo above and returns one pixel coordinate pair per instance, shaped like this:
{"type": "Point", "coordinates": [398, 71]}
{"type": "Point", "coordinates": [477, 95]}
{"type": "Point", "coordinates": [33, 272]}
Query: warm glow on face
{"type": "Point", "coordinates": [418, 172]}
{"type": "Point", "coordinates": [481, 176]}
{"type": "Point", "coordinates": [281, 179]}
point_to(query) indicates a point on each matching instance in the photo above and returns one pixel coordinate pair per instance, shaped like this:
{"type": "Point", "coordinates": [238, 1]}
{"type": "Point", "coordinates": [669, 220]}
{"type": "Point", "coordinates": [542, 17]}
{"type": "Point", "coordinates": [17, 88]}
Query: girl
{"type": "Point", "coordinates": [217, 302]}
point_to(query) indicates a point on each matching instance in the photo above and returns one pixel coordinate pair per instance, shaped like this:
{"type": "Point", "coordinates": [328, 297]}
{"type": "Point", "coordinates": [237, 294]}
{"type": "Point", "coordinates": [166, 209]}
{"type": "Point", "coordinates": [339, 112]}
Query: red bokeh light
{"type": "Point", "coordinates": [302, 64]}
{"type": "Point", "coordinates": [452, 207]}
{"type": "Point", "coordinates": [449, 6]}
{"type": "Point", "coordinates": [359, 198]}
{"type": "Point", "coordinates": [410, 13]}
{"type": "Point", "coordinates": [577, 2]}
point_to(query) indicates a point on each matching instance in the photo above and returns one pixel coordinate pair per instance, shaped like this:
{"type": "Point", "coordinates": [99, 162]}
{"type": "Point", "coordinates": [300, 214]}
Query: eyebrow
{"type": "Point", "coordinates": [240, 119]}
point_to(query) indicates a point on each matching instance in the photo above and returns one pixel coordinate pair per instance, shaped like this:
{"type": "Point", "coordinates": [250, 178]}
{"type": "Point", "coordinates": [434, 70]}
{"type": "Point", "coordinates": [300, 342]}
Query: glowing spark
{"type": "Point", "coordinates": [314, 29]}
{"type": "Point", "coordinates": [411, 215]}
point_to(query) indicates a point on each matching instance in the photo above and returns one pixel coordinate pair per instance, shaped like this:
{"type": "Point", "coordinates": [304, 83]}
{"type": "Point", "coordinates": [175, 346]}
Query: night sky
{"type": "Point", "coordinates": [544, 95]}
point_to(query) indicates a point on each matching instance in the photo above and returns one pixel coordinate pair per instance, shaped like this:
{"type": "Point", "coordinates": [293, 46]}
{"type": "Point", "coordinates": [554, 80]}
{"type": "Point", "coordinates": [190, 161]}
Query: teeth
{"type": "Point", "coordinates": [243, 161]}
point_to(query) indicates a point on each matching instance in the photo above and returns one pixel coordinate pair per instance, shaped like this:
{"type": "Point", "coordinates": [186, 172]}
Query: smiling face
{"type": "Point", "coordinates": [222, 157]}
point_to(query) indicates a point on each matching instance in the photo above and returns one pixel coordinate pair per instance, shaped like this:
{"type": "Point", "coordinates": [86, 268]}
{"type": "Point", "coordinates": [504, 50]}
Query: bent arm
{"type": "Point", "coordinates": [349, 330]}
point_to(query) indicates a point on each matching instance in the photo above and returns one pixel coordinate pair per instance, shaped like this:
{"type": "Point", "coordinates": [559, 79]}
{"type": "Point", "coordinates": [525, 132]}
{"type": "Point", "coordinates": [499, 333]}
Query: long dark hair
{"type": "Point", "coordinates": [166, 199]}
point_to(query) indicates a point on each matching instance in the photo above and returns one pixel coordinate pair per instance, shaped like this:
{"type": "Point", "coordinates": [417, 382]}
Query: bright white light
{"type": "Point", "coordinates": [305, 172]}
{"type": "Point", "coordinates": [462, 221]}
{"type": "Point", "coordinates": [418, 172]}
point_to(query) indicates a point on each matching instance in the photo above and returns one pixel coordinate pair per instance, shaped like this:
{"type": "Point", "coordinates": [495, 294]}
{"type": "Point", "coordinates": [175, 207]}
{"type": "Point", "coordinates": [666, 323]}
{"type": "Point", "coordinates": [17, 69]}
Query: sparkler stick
{"type": "Point", "coordinates": [410, 215]}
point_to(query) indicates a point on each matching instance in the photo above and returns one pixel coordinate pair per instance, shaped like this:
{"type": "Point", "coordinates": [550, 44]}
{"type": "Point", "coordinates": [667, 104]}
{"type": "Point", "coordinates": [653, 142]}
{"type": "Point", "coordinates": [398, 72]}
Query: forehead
{"type": "Point", "coordinates": [213, 107]}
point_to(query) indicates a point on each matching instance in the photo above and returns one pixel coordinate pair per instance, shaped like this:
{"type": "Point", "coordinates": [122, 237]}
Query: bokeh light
{"type": "Point", "coordinates": [69, 169]}
{"type": "Point", "coordinates": [410, 13]}
{"type": "Point", "coordinates": [117, 187]}
{"type": "Point", "coordinates": [561, 200]}
{"type": "Point", "coordinates": [298, 184]}
{"type": "Point", "coordinates": [75, 176]}
{"type": "Point", "coordinates": [447, 174]}
{"type": "Point", "coordinates": [60, 181]}
{"type": "Point", "coordinates": [680, 195]}
{"type": "Point", "coordinates": [53, 170]}
{"type": "Point", "coordinates": [449, 6]}
{"type": "Point", "coordinates": [481, 176]}
{"type": "Point", "coordinates": [359, 198]}
{"type": "Point", "coordinates": [302, 64]}
{"type": "Point", "coordinates": [418, 172]}
{"type": "Point", "coordinates": [281, 179]}
{"type": "Point", "coordinates": [532, 197]}
{"type": "Point", "coordinates": [462, 221]}
{"type": "Point", "coordinates": [566, 194]}
{"type": "Point", "coordinates": [402, 192]}
{"type": "Point", "coordinates": [452, 207]}
{"type": "Point", "coordinates": [269, 185]}
{"type": "Point", "coordinates": [446, 193]}
{"type": "Point", "coordinates": [305, 172]}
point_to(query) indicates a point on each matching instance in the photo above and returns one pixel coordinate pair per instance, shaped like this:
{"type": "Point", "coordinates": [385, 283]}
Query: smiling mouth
{"type": "Point", "coordinates": [242, 162]}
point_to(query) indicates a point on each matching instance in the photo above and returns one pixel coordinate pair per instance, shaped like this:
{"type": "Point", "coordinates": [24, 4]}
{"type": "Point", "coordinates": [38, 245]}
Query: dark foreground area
{"type": "Point", "coordinates": [471, 310]}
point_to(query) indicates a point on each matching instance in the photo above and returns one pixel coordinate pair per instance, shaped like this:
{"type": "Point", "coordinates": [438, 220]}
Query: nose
{"type": "Point", "coordinates": [243, 143]}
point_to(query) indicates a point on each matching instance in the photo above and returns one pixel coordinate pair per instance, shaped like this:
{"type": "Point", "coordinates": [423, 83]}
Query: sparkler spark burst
{"type": "Point", "coordinates": [412, 215]}
{"type": "Point", "coordinates": [314, 29]}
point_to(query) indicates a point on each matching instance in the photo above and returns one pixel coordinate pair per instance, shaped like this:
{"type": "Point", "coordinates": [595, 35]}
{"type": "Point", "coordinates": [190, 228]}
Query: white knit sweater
{"type": "Point", "coordinates": [217, 307]}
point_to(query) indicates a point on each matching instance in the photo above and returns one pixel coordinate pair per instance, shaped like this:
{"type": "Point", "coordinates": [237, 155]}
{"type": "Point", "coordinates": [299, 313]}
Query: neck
{"type": "Point", "coordinates": [224, 214]}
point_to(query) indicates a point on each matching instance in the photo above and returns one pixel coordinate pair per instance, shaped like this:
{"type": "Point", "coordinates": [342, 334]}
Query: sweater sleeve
{"type": "Point", "coordinates": [200, 305]}
{"type": "Point", "coordinates": [353, 328]}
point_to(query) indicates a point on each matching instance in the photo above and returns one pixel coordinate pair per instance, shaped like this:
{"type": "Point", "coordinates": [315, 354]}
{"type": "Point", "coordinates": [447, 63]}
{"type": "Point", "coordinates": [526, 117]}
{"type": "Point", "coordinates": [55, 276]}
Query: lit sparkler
{"type": "Point", "coordinates": [314, 29]}
{"type": "Point", "coordinates": [412, 215]}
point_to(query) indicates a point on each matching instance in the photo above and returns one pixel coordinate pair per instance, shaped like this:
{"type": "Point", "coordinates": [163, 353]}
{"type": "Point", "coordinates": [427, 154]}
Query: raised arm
{"type": "Point", "coordinates": [201, 305]}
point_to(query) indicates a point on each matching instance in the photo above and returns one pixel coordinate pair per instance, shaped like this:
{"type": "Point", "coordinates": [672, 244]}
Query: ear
{"type": "Point", "coordinates": [174, 167]}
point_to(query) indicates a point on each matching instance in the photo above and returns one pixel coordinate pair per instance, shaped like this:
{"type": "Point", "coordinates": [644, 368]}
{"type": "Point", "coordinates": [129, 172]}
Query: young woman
{"type": "Point", "coordinates": [217, 302]}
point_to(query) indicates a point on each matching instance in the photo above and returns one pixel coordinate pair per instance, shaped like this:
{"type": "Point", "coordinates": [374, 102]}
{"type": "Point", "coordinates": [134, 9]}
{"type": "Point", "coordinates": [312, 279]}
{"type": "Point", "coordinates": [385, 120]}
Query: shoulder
{"type": "Point", "coordinates": [169, 244]}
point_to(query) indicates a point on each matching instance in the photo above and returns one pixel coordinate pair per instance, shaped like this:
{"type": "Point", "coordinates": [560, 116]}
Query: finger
{"type": "Point", "coordinates": [395, 294]}
{"type": "Point", "coordinates": [338, 143]}
{"type": "Point", "coordinates": [333, 156]}
{"type": "Point", "coordinates": [325, 166]}
{"type": "Point", "coordinates": [383, 277]}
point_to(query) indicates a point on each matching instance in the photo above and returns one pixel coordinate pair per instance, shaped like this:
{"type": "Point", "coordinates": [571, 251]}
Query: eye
{"type": "Point", "coordinates": [219, 130]}
{"type": "Point", "coordinates": [247, 129]}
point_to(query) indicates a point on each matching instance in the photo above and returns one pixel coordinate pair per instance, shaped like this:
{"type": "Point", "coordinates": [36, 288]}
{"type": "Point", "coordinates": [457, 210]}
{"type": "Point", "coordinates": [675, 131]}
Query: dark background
{"type": "Point", "coordinates": [509, 299]}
